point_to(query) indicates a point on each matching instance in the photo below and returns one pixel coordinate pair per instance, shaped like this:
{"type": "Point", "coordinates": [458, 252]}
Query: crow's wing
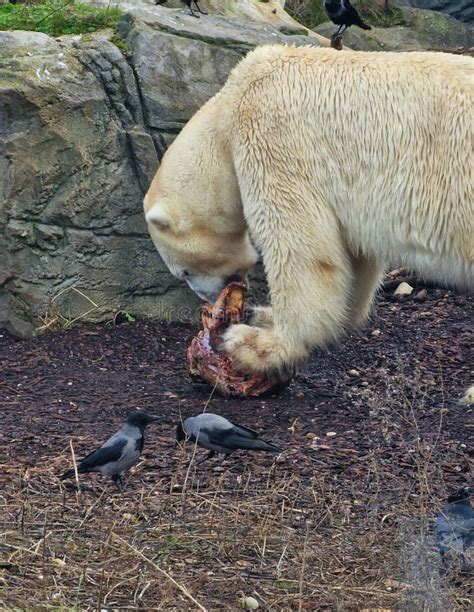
{"type": "Point", "coordinates": [238, 437]}
{"type": "Point", "coordinates": [245, 432]}
{"type": "Point", "coordinates": [103, 455]}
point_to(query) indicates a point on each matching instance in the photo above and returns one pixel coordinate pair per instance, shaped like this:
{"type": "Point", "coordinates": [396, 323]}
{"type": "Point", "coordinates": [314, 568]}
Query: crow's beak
{"type": "Point", "coordinates": [152, 418]}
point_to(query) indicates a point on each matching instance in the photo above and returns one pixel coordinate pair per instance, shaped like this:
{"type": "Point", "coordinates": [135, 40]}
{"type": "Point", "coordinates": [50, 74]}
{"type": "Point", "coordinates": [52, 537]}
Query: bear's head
{"type": "Point", "coordinates": [194, 212]}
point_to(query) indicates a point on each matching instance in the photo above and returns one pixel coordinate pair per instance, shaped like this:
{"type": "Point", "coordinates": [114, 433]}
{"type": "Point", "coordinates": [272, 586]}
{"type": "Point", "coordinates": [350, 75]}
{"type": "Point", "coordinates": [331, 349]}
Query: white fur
{"type": "Point", "coordinates": [336, 164]}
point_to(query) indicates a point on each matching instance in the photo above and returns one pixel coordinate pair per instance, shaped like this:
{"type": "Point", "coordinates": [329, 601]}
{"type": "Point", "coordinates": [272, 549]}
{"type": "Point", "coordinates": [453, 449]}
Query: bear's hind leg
{"type": "Point", "coordinates": [367, 276]}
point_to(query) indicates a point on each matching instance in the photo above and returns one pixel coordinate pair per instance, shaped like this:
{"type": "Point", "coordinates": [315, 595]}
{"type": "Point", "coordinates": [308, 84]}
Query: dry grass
{"type": "Point", "coordinates": [203, 537]}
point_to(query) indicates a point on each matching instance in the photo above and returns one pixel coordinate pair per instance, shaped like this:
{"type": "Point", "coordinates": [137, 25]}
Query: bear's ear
{"type": "Point", "coordinates": [157, 217]}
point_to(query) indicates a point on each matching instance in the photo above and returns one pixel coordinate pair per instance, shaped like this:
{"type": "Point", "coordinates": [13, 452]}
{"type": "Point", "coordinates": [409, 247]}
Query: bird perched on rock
{"type": "Point", "coordinates": [118, 453]}
{"type": "Point", "coordinates": [219, 435]}
{"type": "Point", "coordinates": [343, 14]}
{"type": "Point", "coordinates": [188, 3]}
{"type": "Point", "coordinates": [454, 525]}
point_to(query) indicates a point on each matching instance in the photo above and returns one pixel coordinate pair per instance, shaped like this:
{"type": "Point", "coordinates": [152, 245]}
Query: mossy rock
{"type": "Point", "coordinates": [423, 30]}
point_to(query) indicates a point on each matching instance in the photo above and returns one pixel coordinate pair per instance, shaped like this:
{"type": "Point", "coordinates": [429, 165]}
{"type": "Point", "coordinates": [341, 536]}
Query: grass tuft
{"type": "Point", "coordinates": [58, 17]}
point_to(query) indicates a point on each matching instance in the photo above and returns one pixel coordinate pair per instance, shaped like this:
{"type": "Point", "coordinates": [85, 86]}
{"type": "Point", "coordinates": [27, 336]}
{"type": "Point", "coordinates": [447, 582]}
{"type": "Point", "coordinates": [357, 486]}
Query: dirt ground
{"type": "Point", "coordinates": [374, 440]}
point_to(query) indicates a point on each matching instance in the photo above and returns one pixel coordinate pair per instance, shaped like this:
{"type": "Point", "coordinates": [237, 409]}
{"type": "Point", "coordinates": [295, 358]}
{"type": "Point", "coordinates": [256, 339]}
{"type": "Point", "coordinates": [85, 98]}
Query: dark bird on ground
{"type": "Point", "coordinates": [343, 14]}
{"type": "Point", "coordinates": [454, 525]}
{"type": "Point", "coordinates": [219, 435]}
{"type": "Point", "coordinates": [120, 452]}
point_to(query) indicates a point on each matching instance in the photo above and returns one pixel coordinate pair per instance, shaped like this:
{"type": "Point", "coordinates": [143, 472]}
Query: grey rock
{"type": "Point", "coordinates": [460, 9]}
{"type": "Point", "coordinates": [82, 130]}
{"type": "Point", "coordinates": [423, 30]}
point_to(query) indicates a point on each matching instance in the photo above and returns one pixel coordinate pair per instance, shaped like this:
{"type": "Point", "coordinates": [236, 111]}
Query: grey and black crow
{"type": "Point", "coordinates": [454, 525]}
{"type": "Point", "coordinates": [188, 3]}
{"type": "Point", "coordinates": [343, 14]}
{"type": "Point", "coordinates": [219, 435]}
{"type": "Point", "coordinates": [120, 452]}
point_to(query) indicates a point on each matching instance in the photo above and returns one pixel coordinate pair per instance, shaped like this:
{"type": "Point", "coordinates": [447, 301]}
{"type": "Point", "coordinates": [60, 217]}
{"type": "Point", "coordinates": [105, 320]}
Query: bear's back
{"type": "Point", "coordinates": [268, 60]}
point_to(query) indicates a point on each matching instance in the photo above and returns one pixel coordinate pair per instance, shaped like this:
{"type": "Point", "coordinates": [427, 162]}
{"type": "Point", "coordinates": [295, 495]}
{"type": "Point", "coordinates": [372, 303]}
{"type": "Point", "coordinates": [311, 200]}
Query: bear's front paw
{"type": "Point", "coordinates": [255, 349]}
{"type": "Point", "coordinates": [259, 316]}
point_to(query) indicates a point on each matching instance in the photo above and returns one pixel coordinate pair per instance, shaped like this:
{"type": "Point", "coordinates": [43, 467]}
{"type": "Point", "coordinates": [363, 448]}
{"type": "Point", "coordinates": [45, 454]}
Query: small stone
{"type": "Point", "coordinates": [331, 434]}
{"type": "Point", "coordinates": [376, 332]}
{"type": "Point", "coordinates": [249, 603]}
{"type": "Point", "coordinates": [353, 373]}
{"type": "Point", "coordinates": [299, 394]}
{"type": "Point", "coordinates": [364, 383]}
{"type": "Point", "coordinates": [311, 435]}
{"type": "Point", "coordinates": [403, 289]}
{"type": "Point", "coordinates": [421, 295]}
{"type": "Point", "coordinates": [468, 397]}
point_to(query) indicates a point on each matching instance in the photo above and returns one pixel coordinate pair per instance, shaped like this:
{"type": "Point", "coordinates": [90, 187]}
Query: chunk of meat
{"type": "Point", "coordinates": [206, 362]}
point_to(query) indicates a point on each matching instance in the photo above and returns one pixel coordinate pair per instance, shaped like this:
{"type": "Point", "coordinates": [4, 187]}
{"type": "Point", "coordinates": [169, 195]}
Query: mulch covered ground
{"type": "Point", "coordinates": [374, 439]}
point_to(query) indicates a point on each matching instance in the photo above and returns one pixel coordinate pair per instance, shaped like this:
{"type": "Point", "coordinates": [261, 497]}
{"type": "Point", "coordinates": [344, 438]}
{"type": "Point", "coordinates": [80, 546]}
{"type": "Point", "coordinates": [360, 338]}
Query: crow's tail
{"type": "Point", "coordinates": [261, 445]}
{"type": "Point", "coordinates": [363, 25]}
{"type": "Point", "coordinates": [67, 474]}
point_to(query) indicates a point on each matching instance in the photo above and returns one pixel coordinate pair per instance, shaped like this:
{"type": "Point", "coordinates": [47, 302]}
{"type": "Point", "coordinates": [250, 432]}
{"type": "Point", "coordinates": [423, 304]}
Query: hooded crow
{"type": "Point", "coordinates": [188, 3]}
{"type": "Point", "coordinates": [343, 14]}
{"type": "Point", "coordinates": [219, 435]}
{"type": "Point", "coordinates": [120, 452]}
{"type": "Point", "coordinates": [454, 525]}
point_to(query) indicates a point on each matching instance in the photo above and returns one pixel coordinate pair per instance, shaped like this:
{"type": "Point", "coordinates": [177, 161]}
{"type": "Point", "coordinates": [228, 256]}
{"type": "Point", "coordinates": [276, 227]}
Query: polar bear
{"type": "Point", "coordinates": [329, 166]}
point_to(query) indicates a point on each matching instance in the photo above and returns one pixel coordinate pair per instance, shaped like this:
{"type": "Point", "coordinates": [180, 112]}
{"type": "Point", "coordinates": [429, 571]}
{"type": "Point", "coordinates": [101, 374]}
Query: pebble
{"type": "Point", "coordinates": [331, 434]}
{"type": "Point", "coordinates": [403, 289]}
{"type": "Point", "coordinates": [353, 373]}
{"type": "Point", "coordinates": [249, 603]}
{"type": "Point", "coordinates": [421, 295]}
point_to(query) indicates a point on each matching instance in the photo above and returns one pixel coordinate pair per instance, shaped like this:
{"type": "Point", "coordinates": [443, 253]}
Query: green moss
{"type": "Point", "coordinates": [374, 13]}
{"type": "Point", "coordinates": [120, 43]}
{"type": "Point", "coordinates": [58, 17]}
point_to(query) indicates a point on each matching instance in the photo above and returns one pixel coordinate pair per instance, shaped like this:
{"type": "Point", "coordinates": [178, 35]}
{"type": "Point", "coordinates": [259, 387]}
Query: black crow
{"type": "Point", "coordinates": [343, 14]}
{"type": "Point", "coordinates": [120, 452]}
{"type": "Point", "coordinates": [219, 435]}
{"type": "Point", "coordinates": [188, 3]}
{"type": "Point", "coordinates": [454, 525]}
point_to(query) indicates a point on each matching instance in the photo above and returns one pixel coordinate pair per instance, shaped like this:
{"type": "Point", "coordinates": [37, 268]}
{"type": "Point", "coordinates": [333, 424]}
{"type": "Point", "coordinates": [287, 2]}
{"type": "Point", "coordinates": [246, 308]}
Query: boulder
{"type": "Point", "coordinates": [460, 9]}
{"type": "Point", "coordinates": [83, 125]}
{"type": "Point", "coordinates": [422, 30]}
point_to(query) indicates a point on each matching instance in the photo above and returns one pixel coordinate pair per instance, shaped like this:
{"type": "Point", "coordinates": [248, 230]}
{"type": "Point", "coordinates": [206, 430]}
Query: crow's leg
{"type": "Point", "coordinates": [118, 481]}
{"type": "Point", "coordinates": [209, 455]}
{"type": "Point", "coordinates": [191, 12]}
{"type": "Point", "coordinates": [199, 8]}
{"type": "Point", "coordinates": [339, 29]}
{"type": "Point", "coordinates": [344, 28]}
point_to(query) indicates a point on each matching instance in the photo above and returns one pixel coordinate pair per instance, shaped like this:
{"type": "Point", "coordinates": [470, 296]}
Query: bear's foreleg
{"type": "Point", "coordinates": [259, 316]}
{"type": "Point", "coordinates": [310, 296]}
